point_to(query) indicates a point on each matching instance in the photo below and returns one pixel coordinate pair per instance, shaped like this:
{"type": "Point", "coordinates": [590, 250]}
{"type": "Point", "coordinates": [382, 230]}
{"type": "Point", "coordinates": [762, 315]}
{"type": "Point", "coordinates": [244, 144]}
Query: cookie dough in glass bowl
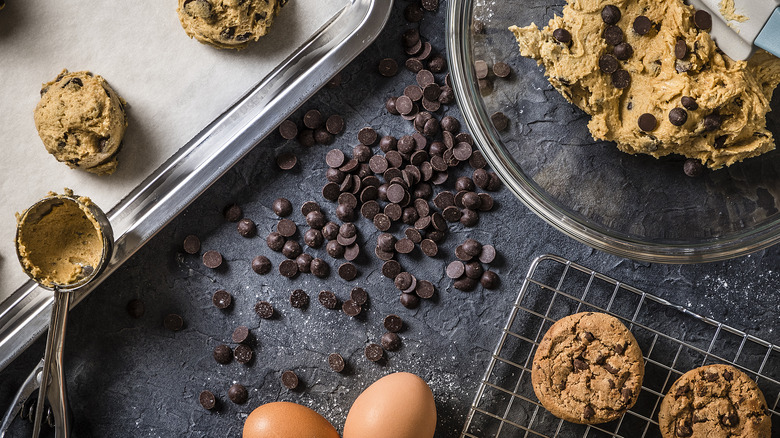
{"type": "Point", "coordinates": [634, 206]}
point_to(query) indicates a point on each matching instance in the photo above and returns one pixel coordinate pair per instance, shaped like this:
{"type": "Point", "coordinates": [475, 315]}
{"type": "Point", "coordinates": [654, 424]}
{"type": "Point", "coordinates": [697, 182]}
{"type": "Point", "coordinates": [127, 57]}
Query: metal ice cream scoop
{"type": "Point", "coordinates": [51, 375]}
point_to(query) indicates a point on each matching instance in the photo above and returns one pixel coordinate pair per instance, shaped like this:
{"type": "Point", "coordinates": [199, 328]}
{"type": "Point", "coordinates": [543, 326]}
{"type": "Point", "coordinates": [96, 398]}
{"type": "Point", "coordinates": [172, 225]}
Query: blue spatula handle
{"type": "Point", "coordinates": [769, 38]}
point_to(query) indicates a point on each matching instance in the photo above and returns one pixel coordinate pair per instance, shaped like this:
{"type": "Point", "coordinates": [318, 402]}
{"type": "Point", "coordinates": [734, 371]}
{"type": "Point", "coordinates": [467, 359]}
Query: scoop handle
{"type": "Point", "coordinates": [769, 38]}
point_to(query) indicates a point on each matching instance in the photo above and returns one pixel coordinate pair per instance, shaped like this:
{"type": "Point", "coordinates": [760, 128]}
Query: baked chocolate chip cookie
{"type": "Point", "coordinates": [588, 369]}
{"type": "Point", "coordinates": [228, 24]}
{"type": "Point", "coordinates": [714, 401]}
{"type": "Point", "coordinates": [81, 121]}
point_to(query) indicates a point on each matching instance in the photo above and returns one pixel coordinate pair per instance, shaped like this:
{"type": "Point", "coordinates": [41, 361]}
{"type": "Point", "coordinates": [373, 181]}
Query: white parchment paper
{"type": "Point", "coordinates": [174, 86]}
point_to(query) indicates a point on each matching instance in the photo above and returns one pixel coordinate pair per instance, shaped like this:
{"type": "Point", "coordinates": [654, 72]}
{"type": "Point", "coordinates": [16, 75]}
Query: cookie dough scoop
{"type": "Point", "coordinates": [63, 242]}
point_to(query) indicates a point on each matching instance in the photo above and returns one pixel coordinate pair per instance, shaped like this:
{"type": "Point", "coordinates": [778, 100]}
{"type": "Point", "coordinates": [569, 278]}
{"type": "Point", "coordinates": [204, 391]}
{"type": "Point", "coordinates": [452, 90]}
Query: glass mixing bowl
{"type": "Point", "coordinates": [633, 206]}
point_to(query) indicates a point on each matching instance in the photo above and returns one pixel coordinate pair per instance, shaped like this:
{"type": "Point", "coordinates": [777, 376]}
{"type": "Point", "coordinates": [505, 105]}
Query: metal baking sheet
{"type": "Point", "coordinates": [156, 185]}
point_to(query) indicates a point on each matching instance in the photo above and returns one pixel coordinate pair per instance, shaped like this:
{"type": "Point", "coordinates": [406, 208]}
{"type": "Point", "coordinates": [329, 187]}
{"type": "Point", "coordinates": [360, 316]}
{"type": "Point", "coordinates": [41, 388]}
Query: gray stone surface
{"type": "Point", "coordinates": [132, 377]}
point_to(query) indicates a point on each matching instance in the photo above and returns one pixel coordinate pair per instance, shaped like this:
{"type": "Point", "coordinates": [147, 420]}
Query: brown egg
{"type": "Point", "coordinates": [287, 420]}
{"type": "Point", "coordinates": [399, 405]}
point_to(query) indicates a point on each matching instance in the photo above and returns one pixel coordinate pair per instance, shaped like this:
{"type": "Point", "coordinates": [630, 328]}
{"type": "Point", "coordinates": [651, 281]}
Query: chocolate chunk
{"type": "Point", "coordinates": [222, 299]}
{"type": "Point", "coordinates": [282, 207]}
{"type": "Point", "coordinates": [238, 394]}
{"type": "Point", "coordinates": [391, 341]}
{"type": "Point", "coordinates": [613, 35]}
{"type": "Point", "coordinates": [642, 25]}
{"type": "Point", "coordinates": [610, 14]}
{"type": "Point", "coordinates": [623, 51]}
{"type": "Point", "coordinates": [264, 309]}
{"type": "Point", "coordinates": [681, 391]}
{"type": "Point", "coordinates": [728, 375]}
{"type": "Point", "coordinates": [191, 244]}
{"type": "Point", "coordinates": [347, 271]}
{"type": "Point", "coordinates": [683, 427]}
{"type": "Point", "coordinates": [223, 354]}
{"type": "Point", "coordinates": [620, 348]}
{"type": "Point", "coordinates": [288, 268]}
{"type": "Point", "coordinates": [212, 259]}
{"type": "Point", "coordinates": [246, 228]}
{"type": "Point", "coordinates": [689, 103]}
{"type": "Point", "coordinates": [647, 122]}
{"type": "Point", "coordinates": [288, 130]}
{"type": "Point", "coordinates": [135, 308]}
{"type": "Point", "coordinates": [712, 122]}
{"type": "Point", "coordinates": [610, 369]}
{"type": "Point", "coordinates": [207, 399]}
{"type": "Point", "coordinates": [627, 394]}
{"type": "Point", "coordinates": [621, 79]}
{"type": "Point", "coordinates": [681, 49]}
{"type": "Point", "coordinates": [286, 160]}
{"type": "Point", "coordinates": [489, 280]}
{"type": "Point", "coordinates": [233, 213]}
{"type": "Point", "coordinates": [275, 241]}
{"type": "Point", "coordinates": [336, 362]}
{"type": "Point", "coordinates": [562, 35]}
{"type": "Point", "coordinates": [702, 20]}
{"type": "Point", "coordinates": [579, 364]}
{"type": "Point", "coordinates": [351, 308]}
{"type": "Point", "coordinates": [241, 334]}
{"type": "Point", "coordinates": [393, 323]}
{"type": "Point", "coordinates": [388, 67]}
{"type": "Point", "coordinates": [328, 299]}
{"type": "Point", "coordinates": [243, 354]}
{"type": "Point", "coordinates": [730, 418]}
{"type": "Point", "coordinates": [678, 116]}
{"type": "Point", "coordinates": [374, 352]}
{"type": "Point", "coordinates": [290, 379]}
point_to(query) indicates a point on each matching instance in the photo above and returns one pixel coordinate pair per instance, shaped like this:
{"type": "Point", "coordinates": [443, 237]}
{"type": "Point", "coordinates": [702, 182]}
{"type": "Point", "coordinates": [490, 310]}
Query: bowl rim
{"type": "Point", "coordinates": [459, 48]}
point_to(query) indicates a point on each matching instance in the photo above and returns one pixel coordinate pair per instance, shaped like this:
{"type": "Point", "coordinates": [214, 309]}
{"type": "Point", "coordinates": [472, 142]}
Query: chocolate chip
{"type": "Point", "coordinates": [288, 130]}
{"type": "Point", "coordinates": [642, 25]}
{"type": "Point", "coordinates": [351, 308]}
{"type": "Point", "coordinates": [336, 362]}
{"type": "Point", "coordinates": [730, 418]}
{"type": "Point", "coordinates": [241, 334]}
{"type": "Point", "coordinates": [502, 69]}
{"type": "Point", "coordinates": [430, 5]}
{"type": "Point", "coordinates": [374, 352]}
{"type": "Point", "coordinates": [222, 299]}
{"type": "Point", "coordinates": [580, 365]}
{"type": "Point", "coordinates": [334, 158]}
{"type": "Point", "coordinates": [367, 136]}
{"type": "Point", "coordinates": [702, 20]}
{"type": "Point", "coordinates": [238, 394]}
{"type": "Point", "coordinates": [500, 122]}
{"type": "Point", "coordinates": [613, 35]}
{"type": "Point", "coordinates": [347, 271]}
{"type": "Point", "coordinates": [304, 262]}
{"type": "Point", "coordinates": [610, 14]}
{"type": "Point", "coordinates": [286, 161]}
{"type": "Point", "coordinates": [359, 295]}
{"type": "Point", "coordinates": [282, 207]}
{"type": "Point", "coordinates": [689, 103]}
{"type": "Point", "coordinates": [233, 213]}
{"type": "Point", "coordinates": [623, 51]}
{"type": "Point", "coordinates": [290, 379]}
{"type": "Point", "coordinates": [393, 323]}
{"type": "Point", "coordinates": [588, 412]}
{"type": "Point", "coordinates": [425, 289]}
{"type": "Point", "coordinates": [404, 246]}
{"type": "Point", "coordinates": [562, 35]}
{"type": "Point", "coordinates": [683, 428]}
{"type": "Point", "coordinates": [489, 280]}
{"type": "Point", "coordinates": [487, 254]}
{"type": "Point", "coordinates": [403, 281]}
{"type": "Point", "coordinates": [191, 244]}
{"type": "Point", "coordinates": [681, 49]}
{"type": "Point", "coordinates": [410, 301]}
{"type": "Point", "coordinates": [425, 78]}
{"type": "Point", "coordinates": [469, 218]}
{"type": "Point", "coordinates": [135, 308]}
{"type": "Point", "coordinates": [313, 238]}
{"type": "Point", "coordinates": [429, 247]}
{"type": "Point", "coordinates": [391, 269]}
{"type": "Point", "coordinates": [388, 67]}
{"type": "Point", "coordinates": [243, 354]}
{"type": "Point", "coordinates": [328, 299]}
{"type": "Point", "coordinates": [212, 259]}
{"type": "Point", "coordinates": [621, 79]}
{"type": "Point", "coordinates": [291, 249]}
{"type": "Point", "coordinates": [223, 354]}
{"type": "Point", "coordinates": [712, 122]}
{"type": "Point", "coordinates": [306, 138]}
{"type": "Point", "coordinates": [264, 309]}
{"type": "Point", "coordinates": [647, 122]}
{"type": "Point", "coordinates": [288, 268]}
{"type": "Point", "coordinates": [275, 241]}
{"type": "Point", "coordinates": [678, 116]}
{"type": "Point", "coordinates": [246, 228]}
{"type": "Point", "coordinates": [286, 228]}
{"type": "Point", "coordinates": [455, 269]}
{"type": "Point", "coordinates": [391, 341]}
{"type": "Point", "coordinates": [207, 399]}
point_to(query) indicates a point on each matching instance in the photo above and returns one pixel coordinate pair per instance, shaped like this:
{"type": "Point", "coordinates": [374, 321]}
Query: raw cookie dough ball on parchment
{"type": "Point", "coordinates": [81, 121]}
{"type": "Point", "coordinates": [588, 369]}
{"type": "Point", "coordinates": [228, 24]}
{"type": "Point", "coordinates": [714, 401]}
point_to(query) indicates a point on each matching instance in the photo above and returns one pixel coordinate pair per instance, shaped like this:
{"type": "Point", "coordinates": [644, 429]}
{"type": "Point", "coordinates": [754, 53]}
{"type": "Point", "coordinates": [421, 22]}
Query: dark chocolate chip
{"type": "Point", "coordinates": [374, 352]}
{"type": "Point", "coordinates": [286, 160]}
{"type": "Point", "coordinates": [135, 308]}
{"type": "Point", "coordinates": [678, 116]}
{"type": "Point", "coordinates": [290, 379]}
{"type": "Point", "coordinates": [613, 35]}
{"type": "Point", "coordinates": [282, 207]}
{"type": "Point", "coordinates": [288, 130]}
{"type": "Point", "coordinates": [191, 244]}
{"type": "Point", "coordinates": [359, 295]}
{"type": "Point", "coordinates": [647, 122]}
{"type": "Point", "coordinates": [489, 280]}
{"type": "Point", "coordinates": [286, 228]}
{"type": "Point", "coordinates": [642, 25]}
{"type": "Point", "coordinates": [334, 158]}
{"type": "Point", "coordinates": [233, 213]}
{"type": "Point", "coordinates": [275, 241]}
{"type": "Point", "coordinates": [304, 262]}
{"type": "Point", "coordinates": [455, 269]}
{"type": "Point", "coordinates": [238, 394]}
{"type": "Point", "coordinates": [299, 299]}
{"type": "Point", "coordinates": [562, 35]}
{"type": "Point", "coordinates": [610, 14]}
{"type": "Point", "coordinates": [291, 249]}
{"type": "Point", "coordinates": [241, 334]}
{"type": "Point", "coordinates": [212, 259]}
{"type": "Point", "coordinates": [312, 119]}
{"type": "Point", "coordinates": [243, 354]}
{"type": "Point", "coordinates": [264, 309]}
{"type": "Point", "coordinates": [289, 268]}
{"type": "Point", "coordinates": [429, 247]}
{"type": "Point", "coordinates": [223, 354]}
{"type": "Point", "coordinates": [347, 271]}
{"type": "Point", "coordinates": [403, 281]}
{"type": "Point", "coordinates": [712, 122]}
{"type": "Point", "coordinates": [246, 228]}
{"type": "Point", "coordinates": [388, 67]}
{"type": "Point", "coordinates": [681, 49]}
{"type": "Point", "coordinates": [222, 299]}
{"type": "Point", "coordinates": [500, 122]}
{"type": "Point", "coordinates": [328, 299]}
{"type": "Point", "coordinates": [351, 308]}
{"type": "Point", "coordinates": [336, 362]}
{"type": "Point", "coordinates": [367, 136]}
{"type": "Point", "coordinates": [391, 341]}
{"type": "Point", "coordinates": [702, 20]}
{"type": "Point", "coordinates": [207, 399]}
{"type": "Point", "coordinates": [623, 51]}
{"type": "Point", "coordinates": [313, 238]}
{"type": "Point", "coordinates": [391, 269]}
{"type": "Point", "coordinates": [393, 323]}
{"type": "Point", "coordinates": [502, 69]}
{"type": "Point", "coordinates": [425, 289]}
{"type": "Point", "coordinates": [410, 301]}
{"type": "Point", "coordinates": [621, 79]}
{"type": "Point", "coordinates": [689, 103]}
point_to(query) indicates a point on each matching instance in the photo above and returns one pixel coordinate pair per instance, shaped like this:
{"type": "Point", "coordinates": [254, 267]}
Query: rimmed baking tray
{"type": "Point", "coordinates": [24, 315]}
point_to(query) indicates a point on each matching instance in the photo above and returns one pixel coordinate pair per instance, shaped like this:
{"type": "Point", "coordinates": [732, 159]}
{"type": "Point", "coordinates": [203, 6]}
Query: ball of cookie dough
{"type": "Point", "coordinates": [228, 24]}
{"type": "Point", "coordinates": [588, 369]}
{"type": "Point", "coordinates": [81, 121]}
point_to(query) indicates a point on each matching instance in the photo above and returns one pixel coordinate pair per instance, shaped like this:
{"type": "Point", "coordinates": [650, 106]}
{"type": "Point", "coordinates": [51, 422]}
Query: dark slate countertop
{"type": "Point", "coordinates": [133, 377]}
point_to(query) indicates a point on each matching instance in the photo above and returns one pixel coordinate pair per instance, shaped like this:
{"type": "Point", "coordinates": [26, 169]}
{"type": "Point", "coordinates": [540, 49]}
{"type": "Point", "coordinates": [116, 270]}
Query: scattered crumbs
{"type": "Point", "coordinates": [729, 11]}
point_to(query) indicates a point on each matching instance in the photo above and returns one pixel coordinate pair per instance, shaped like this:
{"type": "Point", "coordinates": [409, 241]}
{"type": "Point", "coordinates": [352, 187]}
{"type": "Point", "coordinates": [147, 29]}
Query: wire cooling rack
{"type": "Point", "coordinates": [673, 340]}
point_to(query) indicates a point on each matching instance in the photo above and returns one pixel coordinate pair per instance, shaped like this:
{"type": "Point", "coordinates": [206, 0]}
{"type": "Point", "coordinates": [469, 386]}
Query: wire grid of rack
{"type": "Point", "coordinates": [673, 341]}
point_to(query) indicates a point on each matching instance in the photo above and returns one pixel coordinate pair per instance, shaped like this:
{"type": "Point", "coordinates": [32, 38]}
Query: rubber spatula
{"type": "Point", "coordinates": [758, 26]}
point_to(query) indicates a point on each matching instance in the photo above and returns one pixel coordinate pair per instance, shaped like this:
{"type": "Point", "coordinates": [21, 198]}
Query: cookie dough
{"type": "Point", "coordinates": [228, 24]}
{"type": "Point", "coordinates": [56, 242]}
{"type": "Point", "coordinates": [653, 81]}
{"type": "Point", "coordinates": [588, 369]}
{"type": "Point", "coordinates": [714, 401]}
{"type": "Point", "coordinates": [81, 121]}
